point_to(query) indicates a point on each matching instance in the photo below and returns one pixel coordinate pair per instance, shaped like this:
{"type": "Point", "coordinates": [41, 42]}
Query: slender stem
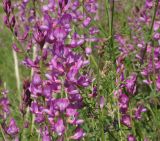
{"type": "Point", "coordinates": [102, 127]}
{"type": "Point", "coordinates": [3, 135]}
{"type": "Point", "coordinates": [154, 16]}
{"type": "Point", "coordinates": [17, 74]}
{"type": "Point", "coordinates": [39, 135]}
{"type": "Point", "coordinates": [110, 15]}
{"type": "Point", "coordinates": [32, 124]}
{"type": "Point", "coordinates": [132, 122]}
{"type": "Point", "coordinates": [94, 61]}
{"type": "Point", "coordinates": [111, 31]}
{"type": "Point", "coordinates": [33, 57]}
{"type": "Point", "coordinates": [119, 123]}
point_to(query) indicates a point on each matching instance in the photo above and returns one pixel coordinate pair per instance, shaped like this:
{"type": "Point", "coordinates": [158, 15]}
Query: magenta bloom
{"type": "Point", "coordinates": [61, 104]}
{"type": "Point", "coordinates": [87, 21]}
{"type": "Point", "coordinates": [4, 105]}
{"type": "Point", "coordinates": [149, 4]}
{"type": "Point", "coordinates": [36, 81]}
{"type": "Point", "coordinates": [47, 91]}
{"type": "Point", "coordinates": [131, 84]}
{"type": "Point", "coordinates": [79, 134]}
{"type": "Point", "coordinates": [40, 36]}
{"type": "Point", "coordinates": [138, 113]}
{"type": "Point", "coordinates": [123, 103]}
{"type": "Point", "coordinates": [57, 67]}
{"type": "Point", "coordinates": [126, 120]}
{"type": "Point", "coordinates": [131, 138]}
{"type": "Point", "coordinates": [16, 49]}
{"type": "Point", "coordinates": [60, 34]}
{"type": "Point", "coordinates": [12, 128]}
{"type": "Point", "coordinates": [59, 127]}
{"type": "Point", "coordinates": [71, 112]}
{"type": "Point", "coordinates": [45, 135]}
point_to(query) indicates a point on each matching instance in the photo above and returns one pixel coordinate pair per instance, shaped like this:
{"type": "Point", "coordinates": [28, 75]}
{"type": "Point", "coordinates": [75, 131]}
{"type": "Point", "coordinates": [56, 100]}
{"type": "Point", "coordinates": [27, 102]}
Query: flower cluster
{"type": "Point", "coordinates": [9, 19]}
{"type": "Point", "coordinates": [145, 56]}
{"type": "Point", "coordinates": [9, 128]}
{"type": "Point", "coordinates": [56, 29]}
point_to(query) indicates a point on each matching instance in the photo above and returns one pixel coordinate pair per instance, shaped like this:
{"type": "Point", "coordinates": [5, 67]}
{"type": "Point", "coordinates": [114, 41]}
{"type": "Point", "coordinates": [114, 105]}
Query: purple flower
{"type": "Point", "coordinates": [123, 103]}
{"type": "Point", "coordinates": [139, 111]}
{"type": "Point", "coordinates": [156, 36]}
{"type": "Point", "coordinates": [87, 21]}
{"type": "Point", "coordinates": [66, 19]}
{"type": "Point", "coordinates": [156, 26]}
{"type": "Point", "coordinates": [126, 120]}
{"type": "Point", "coordinates": [12, 128]}
{"type": "Point", "coordinates": [131, 84]}
{"type": "Point", "coordinates": [123, 98]}
{"type": "Point", "coordinates": [12, 21]}
{"type": "Point", "coordinates": [40, 36]}
{"type": "Point", "coordinates": [36, 80]}
{"type": "Point", "coordinates": [79, 134]}
{"type": "Point", "coordinates": [71, 76]}
{"type": "Point", "coordinates": [4, 104]}
{"type": "Point", "coordinates": [79, 122]}
{"type": "Point", "coordinates": [149, 4]}
{"type": "Point", "coordinates": [7, 6]}
{"type": "Point", "coordinates": [71, 112]}
{"type": "Point", "coordinates": [34, 108]}
{"type": "Point", "coordinates": [47, 23]}
{"type": "Point", "coordinates": [16, 49]}
{"type": "Point", "coordinates": [29, 63]}
{"type": "Point", "coordinates": [61, 104]}
{"type": "Point", "coordinates": [131, 138]}
{"type": "Point", "coordinates": [84, 81]}
{"type": "Point", "coordinates": [62, 3]}
{"type": "Point", "coordinates": [62, 65]}
{"type": "Point", "coordinates": [6, 21]}
{"type": "Point", "coordinates": [93, 30]}
{"type": "Point", "coordinates": [94, 92]}
{"type": "Point", "coordinates": [45, 134]}
{"type": "Point", "coordinates": [39, 118]}
{"type": "Point", "coordinates": [59, 127]}
{"type": "Point", "coordinates": [88, 50]}
{"type": "Point", "coordinates": [47, 91]}
{"type": "Point", "coordinates": [60, 34]}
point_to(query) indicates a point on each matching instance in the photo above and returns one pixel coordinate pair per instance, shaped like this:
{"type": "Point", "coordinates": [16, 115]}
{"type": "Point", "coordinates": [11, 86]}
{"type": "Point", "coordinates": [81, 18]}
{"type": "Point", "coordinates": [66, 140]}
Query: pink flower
{"type": "Point", "coordinates": [59, 127]}
{"type": "Point", "coordinates": [79, 134]}
{"type": "Point", "coordinates": [126, 120]}
{"type": "Point", "coordinates": [12, 128]}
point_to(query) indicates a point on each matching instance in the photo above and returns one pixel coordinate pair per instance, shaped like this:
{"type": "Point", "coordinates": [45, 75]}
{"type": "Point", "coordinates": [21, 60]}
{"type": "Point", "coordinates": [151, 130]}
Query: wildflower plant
{"type": "Point", "coordinates": [87, 81]}
{"type": "Point", "coordinates": [53, 96]}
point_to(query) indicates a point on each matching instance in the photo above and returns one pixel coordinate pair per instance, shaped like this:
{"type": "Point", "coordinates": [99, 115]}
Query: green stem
{"type": "Point", "coordinates": [110, 15]}
{"type": "Point", "coordinates": [3, 135]}
{"type": "Point", "coordinates": [17, 74]}
{"type": "Point", "coordinates": [119, 123]}
{"type": "Point", "coordinates": [154, 16]}
{"type": "Point", "coordinates": [111, 31]}
{"type": "Point", "coordinates": [32, 125]}
{"type": "Point", "coordinates": [94, 61]}
{"type": "Point", "coordinates": [102, 128]}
